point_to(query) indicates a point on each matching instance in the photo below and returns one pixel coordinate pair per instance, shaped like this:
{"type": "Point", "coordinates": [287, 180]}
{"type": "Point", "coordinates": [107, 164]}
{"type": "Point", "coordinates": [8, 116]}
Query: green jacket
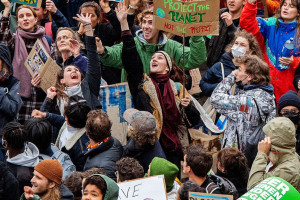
{"type": "Point", "coordinates": [35, 197]}
{"type": "Point", "coordinates": [195, 55]}
{"type": "Point", "coordinates": [286, 162]}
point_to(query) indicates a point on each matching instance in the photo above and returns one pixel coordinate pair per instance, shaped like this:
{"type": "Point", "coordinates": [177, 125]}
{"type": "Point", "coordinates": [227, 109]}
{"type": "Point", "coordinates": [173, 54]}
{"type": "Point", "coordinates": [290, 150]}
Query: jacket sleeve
{"type": "Point", "coordinates": [114, 26]}
{"type": "Point", "coordinates": [257, 172]}
{"type": "Point", "coordinates": [297, 78]}
{"type": "Point", "coordinates": [60, 21]}
{"type": "Point", "coordinates": [112, 56]}
{"type": "Point", "coordinates": [81, 62]}
{"type": "Point", "coordinates": [11, 102]}
{"type": "Point", "coordinates": [210, 80]}
{"type": "Point", "coordinates": [195, 55]}
{"type": "Point", "coordinates": [55, 120]}
{"type": "Point", "coordinates": [93, 75]}
{"type": "Point", "coordinates": [132, 63]}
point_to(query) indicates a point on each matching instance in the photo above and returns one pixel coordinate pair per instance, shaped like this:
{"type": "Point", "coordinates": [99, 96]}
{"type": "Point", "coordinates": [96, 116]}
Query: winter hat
{"type": "Point", "coordinates": [141, 121]}
{"type": "Point", "coordinates": [289, 99]}
{"type": "Point", "coordinates": [168, 58]}
{"type": "Point", "coordinates": [51, 169]}
{"type": "Point", "coordinates": [160, 166]}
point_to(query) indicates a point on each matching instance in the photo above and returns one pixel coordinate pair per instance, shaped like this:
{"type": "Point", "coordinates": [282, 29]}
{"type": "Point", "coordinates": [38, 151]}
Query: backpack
{"type": "Point", "coordinates": [222, 184]}
{"type": "Point", "coordinates": [63, 158]}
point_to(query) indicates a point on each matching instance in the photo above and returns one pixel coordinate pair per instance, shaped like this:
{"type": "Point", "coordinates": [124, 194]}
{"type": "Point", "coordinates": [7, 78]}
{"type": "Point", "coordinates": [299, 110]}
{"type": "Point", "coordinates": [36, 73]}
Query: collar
{"type": "Point", "coordinates": [90, 146]}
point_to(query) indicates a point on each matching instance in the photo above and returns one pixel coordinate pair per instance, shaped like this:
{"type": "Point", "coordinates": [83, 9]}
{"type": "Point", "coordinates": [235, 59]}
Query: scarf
{"type": "Point", "coordinates": [70, 91]}
{"type": "Point", "coordinates": [171, 116]}
{"type": "Point", "coordinates": [21, 54]}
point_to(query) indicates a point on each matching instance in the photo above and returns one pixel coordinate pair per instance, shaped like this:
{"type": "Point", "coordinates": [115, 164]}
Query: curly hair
{"type": "Point", "coordinates": [199, 160]}
{"type": "Point", "coordinates": [148, 11]}
{"type": "Point", "coordinates": [74, 183]}
{"type": "Point", "coordinates": [255, 67]}
{"type": "Point", "coordinates": [142, 138]}
{"type": "Point", "coordinates": [94, 170]}
{"type": "Point", "coordinates": [98, 125]}
{"type": "Point", "coordinates": [97, 181]}
{"type": "Point", "coordinates": [128, 169]}
{"type": "Point", "coordinates": [187, 187]}
{"type": "Point", "coordinates": [234, 162]}
{"type": "Point", "coordinates": [253, 44]}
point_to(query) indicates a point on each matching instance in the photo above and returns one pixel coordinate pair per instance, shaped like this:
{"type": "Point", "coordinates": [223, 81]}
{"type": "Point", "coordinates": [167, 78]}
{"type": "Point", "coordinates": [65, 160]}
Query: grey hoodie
{"type": "Point", "coordinates": [29, 158]}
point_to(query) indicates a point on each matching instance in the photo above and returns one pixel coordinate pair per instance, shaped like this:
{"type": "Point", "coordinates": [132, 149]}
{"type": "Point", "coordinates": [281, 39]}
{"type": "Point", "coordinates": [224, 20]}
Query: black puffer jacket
{"type": "Point", "coordinates": [105, 156]}
{"type": "Point", "coordinates": [8, 184]}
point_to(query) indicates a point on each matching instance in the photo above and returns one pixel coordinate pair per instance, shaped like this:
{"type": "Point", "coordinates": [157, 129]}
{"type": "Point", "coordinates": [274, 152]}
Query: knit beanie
{"type": "Point", "coordinates": [51, 169]}
{"type": "Point", "coordinates": [160, 166]}
{"type": "Point", "coordinates": [289, 99]}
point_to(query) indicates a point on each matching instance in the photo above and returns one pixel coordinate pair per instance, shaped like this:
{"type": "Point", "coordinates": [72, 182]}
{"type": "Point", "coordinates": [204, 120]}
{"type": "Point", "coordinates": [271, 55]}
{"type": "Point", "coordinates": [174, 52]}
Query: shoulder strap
{"type": "Point", "coordinates": [259, 111]}
{"type": "Point", "coordinates": [223, 73]}
{"type": "Point", "coordinates": [211, 187]}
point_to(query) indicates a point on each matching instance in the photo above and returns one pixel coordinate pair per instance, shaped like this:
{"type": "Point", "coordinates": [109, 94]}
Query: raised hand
{"type": "Point", "coordinates": [28, 192]}
{"type": "Point", "coordinates": [83, 19]}
{"type": "Point", "coordinates": [100, 48]}
{"type": "Point", "coordinates": [121, 11]}
{"type": "Point", "coordinates": [38, 114]}
{"type": "Point", "coordinates": [134, 3]}
{"type": "Point", "coordinates": [227, 17]}
{"type": "Point", "coordinates": [105, 5]}
{"type": "Point", "coordinates": [7, 6]}
{"type": "Point", "coordinates": [75, 47]}
{"type": "Point", "coordinates": [50, 6]}
{"type": "Point", "coordinates": [51, 92]}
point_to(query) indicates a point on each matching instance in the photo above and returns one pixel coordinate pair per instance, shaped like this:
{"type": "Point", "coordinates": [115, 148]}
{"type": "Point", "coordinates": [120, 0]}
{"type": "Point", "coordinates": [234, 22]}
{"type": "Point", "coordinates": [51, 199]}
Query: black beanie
{"type": "Point", "coordinates": [289, 99]}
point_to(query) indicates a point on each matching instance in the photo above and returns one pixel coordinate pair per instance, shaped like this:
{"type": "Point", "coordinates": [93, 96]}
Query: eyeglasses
{"type": "Point", "coordinates": [63, 37]}
{"type": "Point", "coordinates": [285, 111]}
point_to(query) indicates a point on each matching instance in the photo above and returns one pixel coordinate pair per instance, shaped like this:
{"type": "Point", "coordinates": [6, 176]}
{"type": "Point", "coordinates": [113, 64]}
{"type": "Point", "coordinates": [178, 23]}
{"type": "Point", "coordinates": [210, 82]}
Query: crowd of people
{"type": "Point", "coordinates": [58, 144]}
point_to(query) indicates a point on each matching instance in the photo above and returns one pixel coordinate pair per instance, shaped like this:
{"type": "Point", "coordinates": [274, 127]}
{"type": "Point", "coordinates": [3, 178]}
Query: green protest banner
{"type": "Point", "coordinates": [33, 3]}
{"type": "Point", "coordinates": [272, 188]}
{"type": "Point", "coordinates": [188, 17]}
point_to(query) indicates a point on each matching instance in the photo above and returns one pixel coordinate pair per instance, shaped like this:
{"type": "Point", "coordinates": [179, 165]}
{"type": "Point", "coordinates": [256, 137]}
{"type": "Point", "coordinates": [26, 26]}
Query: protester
{"type": "Point", "coordinates": [100, 187]}
{"type": "Point", "coordinates": [252, 104]}
{"type": "Point", "coordinates": [243, 44]}
{"type": "Point", "coordinates": [57, 20]}
{"type": "Point", "coordinates": [160, 166]}
{"type": "Point", "coordinates": [104, 150]}
{"type": "Point", "coordinates": [45, 182]}
{"type": "Point", "coordinates": [22, 157]}
{"type": "Point", "coordinates": [10, 98]}
{"type": "Point", "coordinates": [68, 45]}
{"type": "Point", "coordinates": [8, 184]}
{"type": "Point", "coordinates": [148, 41]}
{"type": "Point", "coordinates": [71, 82]}
{"type": "Point", "coordinates": [229, 19]}
{"type": "Point", "coordinates": [271, 34]}
{"type": "Point", "coordinates": [232, 165]}
{"type": "Point", "coordinates": [143, 144]}
{"type": "Point", "coordinates": [289, 106]}
{"type": "Point", "coordinates": [38, 131]}
{"type": "Point", "coordinates": [157, 93]}
{"type": "Point", "coordinates": [128, 169]}
{"type": "Point", "coordinates": [20, 45]}
{"type": "Point", "coordinates": [186, 188]}
{"type": "Point", "coordinates": [197, 164]}
{"type": "Point", "coordinates": [276, 154]}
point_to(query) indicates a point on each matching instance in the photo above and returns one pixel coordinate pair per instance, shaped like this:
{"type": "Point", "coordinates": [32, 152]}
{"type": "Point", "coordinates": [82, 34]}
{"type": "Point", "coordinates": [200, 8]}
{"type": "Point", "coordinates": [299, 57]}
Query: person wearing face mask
{"type": "Point", "coordinates": [242, 44]}
{"type": "Point", "coordinates": [271, 34]}
{"type": "Point", "coordinates": [252, 103]}
{"type": "Point", "coordinates": [276, 154]}
{"type": "Point", "coordinates": [289, 106]}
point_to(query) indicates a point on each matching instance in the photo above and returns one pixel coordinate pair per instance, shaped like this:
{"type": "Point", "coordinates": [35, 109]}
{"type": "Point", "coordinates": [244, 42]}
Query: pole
{"type": "Point", "coordinates": [183, 63]}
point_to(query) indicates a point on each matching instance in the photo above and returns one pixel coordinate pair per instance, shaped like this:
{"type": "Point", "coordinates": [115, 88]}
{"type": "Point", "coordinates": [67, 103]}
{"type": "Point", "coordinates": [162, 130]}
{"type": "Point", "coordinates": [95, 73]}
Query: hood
{"type": "Point", "coordinates": [268, 88]}
{"type": "Point", "coordinates": [282, 132]}
{"type": "Point", "coordinates": [29, 158]}
{"type": "Point", "coordinates": [161, 40]}
{"type": "Point", "coordinates": [112, 191]}
{"type": "Point", "coordinates": [5, 56]}
{"type": "Point", "coordinates": [226, 59]}
{"type": "Point", "coordinates": [159, 166]}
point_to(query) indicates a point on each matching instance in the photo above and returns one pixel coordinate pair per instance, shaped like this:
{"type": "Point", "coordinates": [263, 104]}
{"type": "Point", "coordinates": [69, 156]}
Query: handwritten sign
{"type": "Point", "coordinates": [205, 196]}
{"type": "Point", "coordinates": [150, 188]}
{"type": "Point", "coordinates": [38, 61]}
{"type": "Point", "coordinates": [272, 188]}
{"type": "Point", "coordinates": [33, 3]}
{"type": "Point", "coordinates": [189, 17]}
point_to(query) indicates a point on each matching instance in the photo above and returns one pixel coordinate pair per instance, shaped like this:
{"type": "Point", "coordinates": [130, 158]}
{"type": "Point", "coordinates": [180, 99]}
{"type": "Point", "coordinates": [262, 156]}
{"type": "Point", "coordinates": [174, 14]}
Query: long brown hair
{"type": "Point", "coordinates": [28, 7]}
{"type": "Point", "coordinates": [55, 192]}
{"type": "Point", "coordinates": [253, 44]}
{"type": "Point", "coordinates": [295, 3]}
{"type": "Point", "coordinates": [177, 74]}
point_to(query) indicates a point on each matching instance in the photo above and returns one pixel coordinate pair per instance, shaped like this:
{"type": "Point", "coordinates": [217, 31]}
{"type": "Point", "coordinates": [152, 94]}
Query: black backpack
{"type": "Point", "coordinates": [222, 184]}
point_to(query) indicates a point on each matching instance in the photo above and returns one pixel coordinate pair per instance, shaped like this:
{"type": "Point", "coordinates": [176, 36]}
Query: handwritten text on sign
{"type": "Point", "coordinates": [33, 3]}
{"type": "Point", "coordinates": [191, 17]}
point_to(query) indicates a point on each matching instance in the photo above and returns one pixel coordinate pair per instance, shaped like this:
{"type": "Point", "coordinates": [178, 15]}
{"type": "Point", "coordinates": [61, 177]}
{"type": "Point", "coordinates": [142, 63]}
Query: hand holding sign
{"type": "Point", "coordinates": [50, 6]}
{"type": "Point", "coordinates": [227, 17]}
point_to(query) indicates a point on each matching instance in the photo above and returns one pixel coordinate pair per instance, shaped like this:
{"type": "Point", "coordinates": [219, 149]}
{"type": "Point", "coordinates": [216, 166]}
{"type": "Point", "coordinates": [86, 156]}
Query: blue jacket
{"type": "Point", "coordinates": [213, 76]}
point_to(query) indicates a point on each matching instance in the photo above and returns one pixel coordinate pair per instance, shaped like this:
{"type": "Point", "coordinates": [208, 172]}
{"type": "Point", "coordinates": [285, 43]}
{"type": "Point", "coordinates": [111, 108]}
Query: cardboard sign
{"type": "Point", "coordinates": [189, 17]}
{"type": "Point", "coordinates": [150, 188]}
{"type": "Point", "coordinates": [272, 188]}
{"type": "Point", "coordinates": [33, 3]}
{"type": "Point", "coordinates": [262, 10]}
{"type": "Point", "coordinates": [115, 100]}
{"type": "Point", "coordinates": [205, 196]}
{"type": "Point", "coordinates": [38, 61]}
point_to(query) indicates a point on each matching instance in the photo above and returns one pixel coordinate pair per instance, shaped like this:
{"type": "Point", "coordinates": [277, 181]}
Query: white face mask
{"type": "Point", "coordinates": [237, 51]}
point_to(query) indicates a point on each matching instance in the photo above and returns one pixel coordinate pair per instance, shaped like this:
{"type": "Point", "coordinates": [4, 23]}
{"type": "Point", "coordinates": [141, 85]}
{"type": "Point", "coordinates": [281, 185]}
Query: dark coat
{"type": "Point", "coordinates": [105, 156]}
{"type": "Point", "coordinates": [213, 76]}
{"type": "Point", "coordinates": [216, 45]}
{"type": "Point", "coordinates": [8, 184]}
{"type": "Point", "coordinates": [143, 154]}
